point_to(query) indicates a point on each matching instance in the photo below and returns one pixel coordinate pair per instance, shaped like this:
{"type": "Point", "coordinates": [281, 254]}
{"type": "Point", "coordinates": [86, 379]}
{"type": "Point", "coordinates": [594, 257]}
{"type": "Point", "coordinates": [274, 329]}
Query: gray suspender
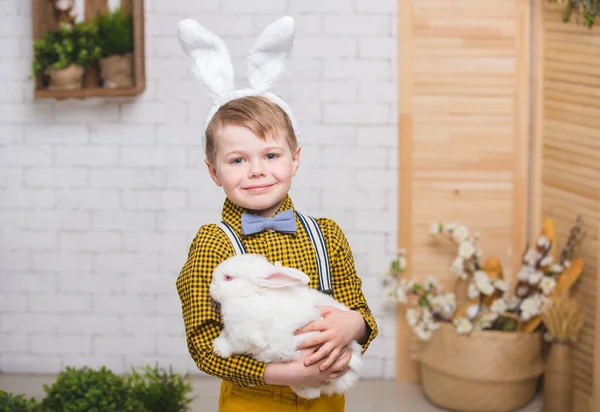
{"type": "Point", "coordinates": [238, 247]}
{"type": "Point", "coordinates": [316, 237]}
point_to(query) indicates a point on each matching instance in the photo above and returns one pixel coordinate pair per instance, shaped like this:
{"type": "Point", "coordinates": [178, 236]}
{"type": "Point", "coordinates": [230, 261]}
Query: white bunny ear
{"type": "Point", "coordinates": [209, 58]}
{"type": "Point", "coordinates": [281, 277]}
{"type": "Point", "coordinates": [266, 61]}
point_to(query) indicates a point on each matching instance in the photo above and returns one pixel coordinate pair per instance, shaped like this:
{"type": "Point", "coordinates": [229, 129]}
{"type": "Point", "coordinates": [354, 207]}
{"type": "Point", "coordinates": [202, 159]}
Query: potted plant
{"type": "Point", "coordinates": [484, 354]}
{"type": "Point", "coordinates": [61, 56]}
{"type": "Point", "coordinates": [115, 33]}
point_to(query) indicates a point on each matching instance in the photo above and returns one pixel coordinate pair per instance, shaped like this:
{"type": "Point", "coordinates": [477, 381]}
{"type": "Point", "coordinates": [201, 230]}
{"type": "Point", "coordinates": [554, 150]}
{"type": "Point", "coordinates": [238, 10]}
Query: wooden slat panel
{"type": "Point", "coordinates": [457, 174]}
{"type": "Point", "coordinates": [567, 125]}
{"type": "Point", "coordinates": [582, 402]}
{"type": "Point", "coordinates": [463, 120]}
{"type": "Point", "coordinates": [407, 369]}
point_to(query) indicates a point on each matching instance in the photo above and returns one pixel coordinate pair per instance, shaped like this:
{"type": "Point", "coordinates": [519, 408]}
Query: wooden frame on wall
{"type": "Point", "coordinates": [43, 19]}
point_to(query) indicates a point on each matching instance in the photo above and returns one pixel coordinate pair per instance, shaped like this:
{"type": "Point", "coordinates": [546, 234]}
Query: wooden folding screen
{"type": "Point", "coordinates": [463, 74]}
{"type": "Point", "coordinates": [567, 165]}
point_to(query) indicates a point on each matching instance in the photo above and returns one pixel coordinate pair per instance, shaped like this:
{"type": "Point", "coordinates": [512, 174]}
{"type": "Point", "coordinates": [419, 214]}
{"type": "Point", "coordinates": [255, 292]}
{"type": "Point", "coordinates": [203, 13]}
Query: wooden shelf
{"type": "Point", "coordinates": [43, 20]}
{"type": "Point", "coordinates": [85, 92]}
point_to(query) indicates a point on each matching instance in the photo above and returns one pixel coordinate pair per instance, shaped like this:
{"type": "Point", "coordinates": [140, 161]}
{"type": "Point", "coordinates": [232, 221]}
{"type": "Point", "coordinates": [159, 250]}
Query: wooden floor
{"type": "Point", "coordinates": [369, 395]}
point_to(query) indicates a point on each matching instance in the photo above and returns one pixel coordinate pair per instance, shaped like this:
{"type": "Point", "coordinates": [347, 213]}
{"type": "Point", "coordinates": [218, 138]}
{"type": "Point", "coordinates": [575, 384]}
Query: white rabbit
{"type": "Point", "coordinates": [261, 307]}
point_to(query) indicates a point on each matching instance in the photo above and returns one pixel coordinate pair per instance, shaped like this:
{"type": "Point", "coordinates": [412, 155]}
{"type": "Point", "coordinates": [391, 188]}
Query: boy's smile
{"type": "Point", "coordinates": [255, 174]}
{"type": "Point", "coordinates": [259, 188]}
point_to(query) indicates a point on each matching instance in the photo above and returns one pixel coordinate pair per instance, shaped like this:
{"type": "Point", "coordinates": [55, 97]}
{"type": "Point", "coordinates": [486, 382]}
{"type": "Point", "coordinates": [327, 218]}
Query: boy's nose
{"type": "Point", "coordinates": [256, 169]}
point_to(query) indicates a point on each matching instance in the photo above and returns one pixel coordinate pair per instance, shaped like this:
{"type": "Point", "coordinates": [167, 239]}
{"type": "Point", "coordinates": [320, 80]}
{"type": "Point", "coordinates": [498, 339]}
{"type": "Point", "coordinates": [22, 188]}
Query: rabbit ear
{"type": "Point", "coordinates": [209, 58]}
{"type": "Point", "coordinates": [281, 277]}
{"type": "Point", "coordinates": [266, 61]}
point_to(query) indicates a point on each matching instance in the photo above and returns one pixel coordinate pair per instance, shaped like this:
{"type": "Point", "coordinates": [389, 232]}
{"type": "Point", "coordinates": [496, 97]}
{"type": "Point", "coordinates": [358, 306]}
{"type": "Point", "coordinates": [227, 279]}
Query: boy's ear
{"type": "Point", "coordinates": [296, 160]}
{"type": "Point", "coordinates": [212, 171]}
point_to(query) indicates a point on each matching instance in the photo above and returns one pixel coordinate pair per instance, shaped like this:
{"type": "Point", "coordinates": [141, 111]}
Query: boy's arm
{"type": "Point", "coordinates": [347, 286]}
{"type": "Point", "coordinates": [202, 320]}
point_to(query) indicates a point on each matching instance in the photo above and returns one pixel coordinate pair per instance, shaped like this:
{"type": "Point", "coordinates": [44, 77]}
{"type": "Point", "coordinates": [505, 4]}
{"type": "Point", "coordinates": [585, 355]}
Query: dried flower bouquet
{"type": "Point", "coordinates": [491, 304]}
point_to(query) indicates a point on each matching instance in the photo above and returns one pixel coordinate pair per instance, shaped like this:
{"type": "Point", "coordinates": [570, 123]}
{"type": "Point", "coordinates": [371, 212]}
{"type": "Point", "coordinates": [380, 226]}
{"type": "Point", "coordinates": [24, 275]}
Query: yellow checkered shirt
{"type": "Point", "coordinates": [211, 247]}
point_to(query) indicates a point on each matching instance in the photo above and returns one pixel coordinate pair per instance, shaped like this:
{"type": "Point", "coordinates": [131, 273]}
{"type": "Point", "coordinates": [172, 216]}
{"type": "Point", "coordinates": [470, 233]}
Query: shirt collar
{"type": "Point", "coordinates": [232, 213]}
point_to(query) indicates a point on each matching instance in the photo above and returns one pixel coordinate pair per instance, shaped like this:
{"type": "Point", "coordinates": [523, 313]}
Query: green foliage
{"type": "Point", "coordinates": [585, 11]}
{"type": "Point", "coordinates": [509, 325]}
{"type": "Point", "coordinates": [89, 390]}
{"type": "Point", "coordinates": [17, 403]}
{"type": "Point", "coordinates": [70, 44]}
{"type": "Point", "coordinates": [160, 390]}
{"type": "Point", "coordinates": [115, 32]}
{"type": "Point", "coordinates": [152, 389]}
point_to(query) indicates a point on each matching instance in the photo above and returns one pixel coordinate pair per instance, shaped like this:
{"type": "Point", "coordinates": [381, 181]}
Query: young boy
{"type": "Point", "coordinates": [253, 154]}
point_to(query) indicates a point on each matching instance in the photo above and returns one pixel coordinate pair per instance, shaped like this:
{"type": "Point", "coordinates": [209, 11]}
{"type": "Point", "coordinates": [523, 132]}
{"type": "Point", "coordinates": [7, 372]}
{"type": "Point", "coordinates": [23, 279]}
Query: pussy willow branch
{"type": "Point", "coordinates": [576, 236]}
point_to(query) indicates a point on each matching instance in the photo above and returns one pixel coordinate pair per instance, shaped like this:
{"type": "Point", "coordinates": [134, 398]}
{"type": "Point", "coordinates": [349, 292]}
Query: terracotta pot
{"type": "Point", "coordinates": [486, 371]}
{"type": "Point", "coordinates": [117, 71]}
{"type": "Point", "coordinates": [69, 78]}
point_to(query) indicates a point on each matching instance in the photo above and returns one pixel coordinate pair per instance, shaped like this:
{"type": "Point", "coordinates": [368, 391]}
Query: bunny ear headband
{"type": "Point", "coordinates": [211, 64]}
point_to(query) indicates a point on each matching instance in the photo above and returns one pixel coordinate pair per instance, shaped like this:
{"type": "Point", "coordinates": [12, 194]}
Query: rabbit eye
{"type": "Point", "coordinates": [228, 277]}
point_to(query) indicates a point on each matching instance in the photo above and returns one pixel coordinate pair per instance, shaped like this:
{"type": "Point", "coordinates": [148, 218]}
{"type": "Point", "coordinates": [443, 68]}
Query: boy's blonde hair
{"type": "Point", "coordinates": [263, 117]}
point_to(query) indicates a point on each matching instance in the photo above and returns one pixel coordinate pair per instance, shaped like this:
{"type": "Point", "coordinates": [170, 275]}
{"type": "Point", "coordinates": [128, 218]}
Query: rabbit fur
{"type": "Point", "coordinates": [261, 306]}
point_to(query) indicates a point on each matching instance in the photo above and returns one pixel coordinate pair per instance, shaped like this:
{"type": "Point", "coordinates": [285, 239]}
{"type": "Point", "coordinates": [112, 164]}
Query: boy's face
{"type": "Point", "coordinates": [255, 174]}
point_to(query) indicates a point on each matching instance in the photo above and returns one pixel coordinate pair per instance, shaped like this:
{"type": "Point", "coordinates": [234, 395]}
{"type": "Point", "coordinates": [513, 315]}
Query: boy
{"type": "Point", "coordinates": [253, 153]}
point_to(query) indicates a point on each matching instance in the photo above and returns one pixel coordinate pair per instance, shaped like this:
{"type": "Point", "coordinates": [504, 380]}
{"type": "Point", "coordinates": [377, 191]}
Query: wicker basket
{"type": "Point", "coordinates": [487, 371]}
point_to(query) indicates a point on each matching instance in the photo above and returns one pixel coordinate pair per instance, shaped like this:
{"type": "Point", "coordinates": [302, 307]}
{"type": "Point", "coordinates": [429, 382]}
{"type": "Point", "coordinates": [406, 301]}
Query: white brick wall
{"type": "Point", "coordinates": [99, 199]}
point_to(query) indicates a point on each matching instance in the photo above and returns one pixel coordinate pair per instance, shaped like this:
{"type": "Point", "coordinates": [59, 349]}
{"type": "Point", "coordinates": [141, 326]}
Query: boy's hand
{"type": "Point", "coordinates": [295, 373]}
{"type": "Point", "coordinates": [314, 375]}
{"type": "Point", "coordinates": [337, 329]}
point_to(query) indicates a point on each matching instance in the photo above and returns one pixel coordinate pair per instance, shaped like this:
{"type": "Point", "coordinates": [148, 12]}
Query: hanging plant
{"type": "Point", "coordinates": [585, 11]}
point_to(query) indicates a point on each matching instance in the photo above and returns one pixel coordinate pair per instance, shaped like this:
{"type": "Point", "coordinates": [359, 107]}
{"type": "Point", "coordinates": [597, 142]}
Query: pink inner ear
{"type": "Point", "coordinates": [280, 280]}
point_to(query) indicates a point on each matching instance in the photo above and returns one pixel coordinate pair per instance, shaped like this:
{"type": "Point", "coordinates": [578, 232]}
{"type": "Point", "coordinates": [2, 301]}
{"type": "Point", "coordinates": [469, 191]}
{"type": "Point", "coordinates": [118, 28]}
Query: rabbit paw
{"type": "Point", "coordinates": [222, 347]}
{"type": "Point", "coordinates": [307, 392]}
{"type": "Point", "coordinates": [341, 384]}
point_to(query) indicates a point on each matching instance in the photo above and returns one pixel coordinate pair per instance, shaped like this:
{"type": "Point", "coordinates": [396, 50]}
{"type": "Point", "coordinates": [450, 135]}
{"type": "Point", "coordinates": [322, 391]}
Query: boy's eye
{"type": "Point", "coordinates": [272, 156]}
{"type": "Point", "coordinates": [237, 160]}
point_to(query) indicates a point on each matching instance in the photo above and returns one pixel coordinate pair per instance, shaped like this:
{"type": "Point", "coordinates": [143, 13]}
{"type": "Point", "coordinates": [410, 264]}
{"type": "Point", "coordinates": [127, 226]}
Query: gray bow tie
{"type": "Point", "coordinates": [284, 222]}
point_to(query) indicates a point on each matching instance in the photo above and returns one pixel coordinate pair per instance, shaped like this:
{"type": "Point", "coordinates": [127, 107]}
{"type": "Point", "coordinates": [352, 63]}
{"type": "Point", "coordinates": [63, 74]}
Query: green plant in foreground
{"type": "Point", "coordinates": [160, 390]}
{"type": "Point", "coordinates": [17, 403]}
{"type": "Point", "coordinates": [89, 390]}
